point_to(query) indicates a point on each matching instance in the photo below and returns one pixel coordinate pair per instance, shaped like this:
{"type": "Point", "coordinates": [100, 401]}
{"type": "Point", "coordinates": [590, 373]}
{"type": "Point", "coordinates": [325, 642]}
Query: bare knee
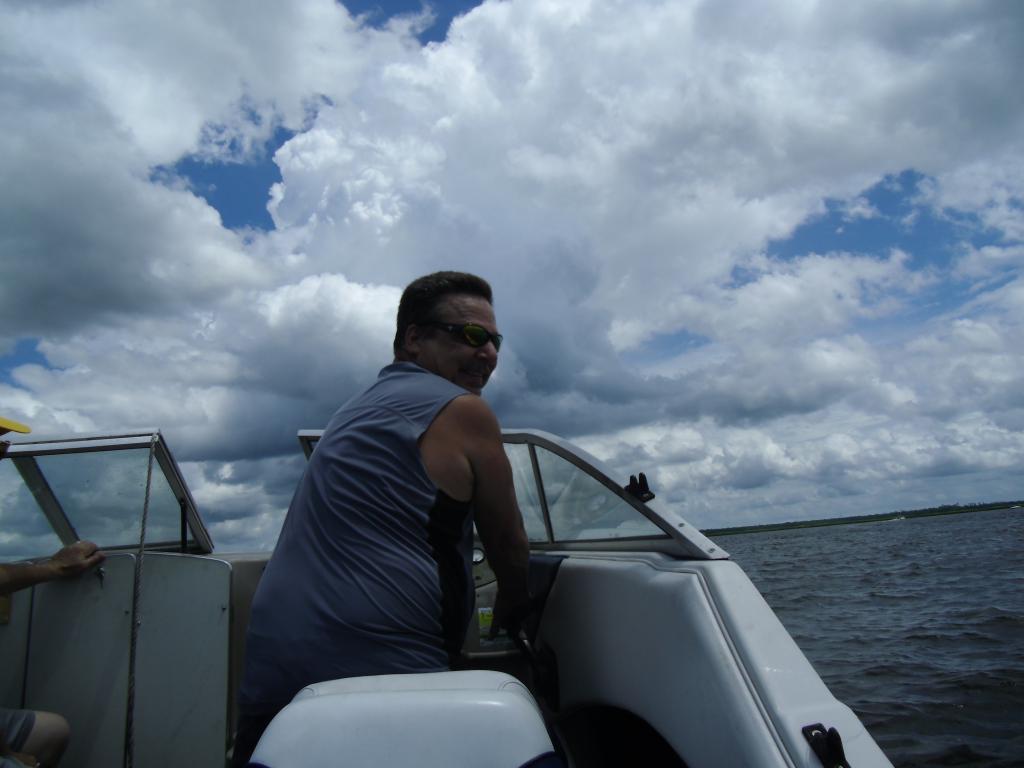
{"type": "Point", "coordinates": [48, 738]}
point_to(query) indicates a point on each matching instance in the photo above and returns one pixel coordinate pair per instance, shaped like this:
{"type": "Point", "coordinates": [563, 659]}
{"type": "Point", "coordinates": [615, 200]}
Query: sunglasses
{"type": "Point", "coordinates": [469, 333]}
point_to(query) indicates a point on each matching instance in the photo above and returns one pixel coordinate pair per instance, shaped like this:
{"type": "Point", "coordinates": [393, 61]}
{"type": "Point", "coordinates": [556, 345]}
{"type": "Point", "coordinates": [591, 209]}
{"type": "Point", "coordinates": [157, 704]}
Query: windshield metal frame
{"type": "Point", "coordinates": [23, 454]}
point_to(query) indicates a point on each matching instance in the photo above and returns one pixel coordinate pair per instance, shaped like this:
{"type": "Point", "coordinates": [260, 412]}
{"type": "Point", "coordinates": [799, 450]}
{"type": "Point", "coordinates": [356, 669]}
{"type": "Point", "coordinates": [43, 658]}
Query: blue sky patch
{"type": "Point", "coordinates": [894, 219]}
{"type": "Point", "coordinates": [379, 11]}
{"type": "Point", "coordinates": [25, 352]}
{"type": "Point", "coordinates": [239, 191]}
{"type": "Point", "coordinates": [664, 346]}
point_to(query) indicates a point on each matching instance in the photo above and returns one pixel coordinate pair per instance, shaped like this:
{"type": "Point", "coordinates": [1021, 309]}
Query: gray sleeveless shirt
{"type": "Point", "coordinates": [371, 573]}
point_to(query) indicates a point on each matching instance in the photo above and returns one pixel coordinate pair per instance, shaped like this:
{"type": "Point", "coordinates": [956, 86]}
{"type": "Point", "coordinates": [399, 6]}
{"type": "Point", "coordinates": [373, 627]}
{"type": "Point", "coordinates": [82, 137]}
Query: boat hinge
{"type": "Point", "coordinates": [827, 745]}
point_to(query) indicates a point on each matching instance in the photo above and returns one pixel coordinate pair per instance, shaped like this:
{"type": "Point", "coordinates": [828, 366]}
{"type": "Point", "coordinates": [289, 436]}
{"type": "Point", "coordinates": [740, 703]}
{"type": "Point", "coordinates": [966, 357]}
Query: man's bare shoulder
{"type": "Point", "coordinates": [471, 415]}
{"type": "Point", "coordinates": [463, 443]}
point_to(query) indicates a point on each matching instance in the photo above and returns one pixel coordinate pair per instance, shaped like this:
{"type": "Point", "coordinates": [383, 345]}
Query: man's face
{"type": "Point", "coordinates": [447, 355]}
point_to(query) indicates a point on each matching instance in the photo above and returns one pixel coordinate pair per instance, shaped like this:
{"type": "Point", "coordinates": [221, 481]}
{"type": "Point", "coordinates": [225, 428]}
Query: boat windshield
{"type": "Point", "coordinates": [562, 496]}
{"type": "Point", "coordinates": [54, 493]}
{"type": "Point", "coordinates": [579, 507]}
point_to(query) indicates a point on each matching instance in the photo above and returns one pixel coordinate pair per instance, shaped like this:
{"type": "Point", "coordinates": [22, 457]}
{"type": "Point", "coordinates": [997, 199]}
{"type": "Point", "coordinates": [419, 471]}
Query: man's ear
{"type": "Point", "coordinates": [413, 337]}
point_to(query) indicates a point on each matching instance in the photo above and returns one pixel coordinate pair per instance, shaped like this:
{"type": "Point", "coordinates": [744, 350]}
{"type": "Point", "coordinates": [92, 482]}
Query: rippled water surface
{"type": "Point", "coordinates": [917, 624]}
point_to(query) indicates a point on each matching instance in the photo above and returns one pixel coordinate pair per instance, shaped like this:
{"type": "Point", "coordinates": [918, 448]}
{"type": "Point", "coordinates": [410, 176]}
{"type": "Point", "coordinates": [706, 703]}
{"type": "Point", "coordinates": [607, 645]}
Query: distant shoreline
{"type": "Point", "coordinates": [949, 509]}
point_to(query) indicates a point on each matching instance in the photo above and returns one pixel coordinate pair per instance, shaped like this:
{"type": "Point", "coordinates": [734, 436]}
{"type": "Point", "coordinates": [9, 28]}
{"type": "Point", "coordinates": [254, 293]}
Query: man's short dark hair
{"type": "Point", "coordinates": [421, 297]}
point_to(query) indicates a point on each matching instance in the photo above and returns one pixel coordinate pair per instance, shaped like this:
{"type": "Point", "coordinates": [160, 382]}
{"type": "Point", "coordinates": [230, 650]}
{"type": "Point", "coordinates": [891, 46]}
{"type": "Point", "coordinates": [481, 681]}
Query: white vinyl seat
{"type": "Point", "coordinates": [470, 719]}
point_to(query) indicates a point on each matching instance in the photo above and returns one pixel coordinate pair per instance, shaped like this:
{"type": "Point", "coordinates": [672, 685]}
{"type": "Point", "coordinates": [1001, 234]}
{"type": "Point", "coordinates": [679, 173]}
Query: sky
{"type": "Point", "coordinates": [769, 253]}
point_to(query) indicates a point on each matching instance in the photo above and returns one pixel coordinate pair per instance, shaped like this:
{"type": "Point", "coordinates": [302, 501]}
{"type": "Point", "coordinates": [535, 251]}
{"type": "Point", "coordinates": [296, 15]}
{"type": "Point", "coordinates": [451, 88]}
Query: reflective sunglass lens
{"type": "Point", "coordinates": [477, 336]}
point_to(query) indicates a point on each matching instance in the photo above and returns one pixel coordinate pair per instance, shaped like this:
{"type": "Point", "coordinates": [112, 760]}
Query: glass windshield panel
{"type": "Point", "coordinates": [526, 491]}
{"type": "Point", "coordinates": [24, 530]}
{"type": "Point", "coordinates": [103, 493]}
{"type": "Point", "coordinates": [583, 509]}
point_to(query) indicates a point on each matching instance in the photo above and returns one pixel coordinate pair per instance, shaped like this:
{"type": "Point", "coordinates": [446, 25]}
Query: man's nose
{"type": "Point", "coordinates": [488, 351]}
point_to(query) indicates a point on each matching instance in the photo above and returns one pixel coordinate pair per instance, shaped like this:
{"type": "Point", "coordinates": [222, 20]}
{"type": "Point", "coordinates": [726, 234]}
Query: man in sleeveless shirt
{"type": "Point", "coordinates": [372, 572]}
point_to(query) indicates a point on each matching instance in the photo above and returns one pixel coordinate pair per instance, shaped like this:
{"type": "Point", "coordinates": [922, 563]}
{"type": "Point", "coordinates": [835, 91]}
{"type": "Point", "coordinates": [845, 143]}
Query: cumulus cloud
{"type": "Point", "coordinates": [618, 170]}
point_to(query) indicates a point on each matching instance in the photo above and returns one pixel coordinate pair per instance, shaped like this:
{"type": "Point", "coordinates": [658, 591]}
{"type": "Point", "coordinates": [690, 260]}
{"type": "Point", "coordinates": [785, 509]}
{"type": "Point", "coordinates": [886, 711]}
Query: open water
{"type": "Point", "coordinates": [916, 624]}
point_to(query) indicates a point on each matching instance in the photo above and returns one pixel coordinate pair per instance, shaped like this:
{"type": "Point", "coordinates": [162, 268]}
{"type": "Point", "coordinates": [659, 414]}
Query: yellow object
{"type": "Point", "coordinates": [6, 425]}
{"type": "Point", "coordinates": [484, 617]}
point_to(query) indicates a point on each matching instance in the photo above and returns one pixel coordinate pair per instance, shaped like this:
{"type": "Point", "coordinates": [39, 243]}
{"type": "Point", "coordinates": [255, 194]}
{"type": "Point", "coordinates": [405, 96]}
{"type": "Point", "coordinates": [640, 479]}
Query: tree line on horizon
{"type": "Point", "coordinates": [945, 509]}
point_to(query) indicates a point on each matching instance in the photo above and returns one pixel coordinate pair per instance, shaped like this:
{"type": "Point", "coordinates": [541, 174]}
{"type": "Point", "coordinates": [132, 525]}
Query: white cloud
{"type": "Point", "coordinates": [991, 189]}
{"type": "Point", "coordinates": [617, 169]}
{"type": "Point", "coordinates": [841, 463]}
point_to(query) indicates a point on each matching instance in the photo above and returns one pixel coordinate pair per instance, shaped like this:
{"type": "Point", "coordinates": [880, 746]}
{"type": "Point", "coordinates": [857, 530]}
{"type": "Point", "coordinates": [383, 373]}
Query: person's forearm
{"type": "Point", "coordinates": [15, 576]}
{"type": "Point", "coordinates": [510, 563]}
{"type": "Point", "coordinates": [507, 547]}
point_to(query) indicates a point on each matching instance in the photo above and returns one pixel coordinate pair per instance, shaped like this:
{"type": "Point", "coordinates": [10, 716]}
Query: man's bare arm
{"type": "Point", "coordinates": [468, 426]}
{"type": "Point", "coordinates": [70, 561]}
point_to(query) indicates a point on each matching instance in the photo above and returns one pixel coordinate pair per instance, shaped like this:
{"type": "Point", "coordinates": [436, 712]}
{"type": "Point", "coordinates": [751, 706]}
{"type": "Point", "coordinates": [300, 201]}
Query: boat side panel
{"type": "Point", "coordinates": [246, 570]}
{"type": "Point", "coordinates": [14, 647]}
{"type": "Point", "coordinates": [181, 668]}
{"type": "Point", "coordinates": [78, 660]}
{"type": "Point", "coordinates": [630, 635]}
{"type": "Point", "coordinates": [793, 692]}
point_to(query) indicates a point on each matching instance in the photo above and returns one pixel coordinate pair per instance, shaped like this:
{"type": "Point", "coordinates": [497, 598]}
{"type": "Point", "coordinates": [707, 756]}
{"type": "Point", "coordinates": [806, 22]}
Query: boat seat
{"type": "Point", "coordinates": [443, 719]}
